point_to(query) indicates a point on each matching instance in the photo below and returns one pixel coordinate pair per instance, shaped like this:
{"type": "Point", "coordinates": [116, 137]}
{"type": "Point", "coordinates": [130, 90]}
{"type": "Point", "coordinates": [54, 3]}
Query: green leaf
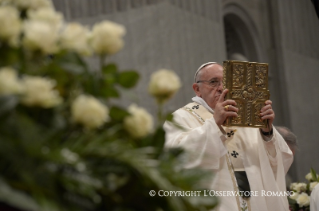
{"type": "Point", "coordinates": [110, 92]}
{"type": "Point", "coordinates": [71, 62]}
{"type": "Point", "coordinates": [8, 55]}
{"type": "Point", "coordinates": [118, 113]}
{"type": "Point", "coordinates": [109, 69]}
{"type": "Point", "coordinates": [314, 175]}
{"type": "Point", "coordinates": [292, 201]}
{"type": "Point", "coordinates": [159, 138]}
{"type": "Point", "coordinates": [169, 117]}
{"type": "Point", "coordinates": [110, 79]}
{"type": "Point", "coordinates": [128, 79]}
{"type": "Point", "coordinates": [110, 74]}
{"type": "Point", "coordinates": [47, 204]}
{"type": "Point", "coordinates": [72, 67]}
{"type": "Point", "coordinates": [16, 198]}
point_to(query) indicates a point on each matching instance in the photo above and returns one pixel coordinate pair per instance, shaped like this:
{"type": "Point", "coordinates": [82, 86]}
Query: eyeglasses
{"type": "Point", "coordinates": [212, 83]}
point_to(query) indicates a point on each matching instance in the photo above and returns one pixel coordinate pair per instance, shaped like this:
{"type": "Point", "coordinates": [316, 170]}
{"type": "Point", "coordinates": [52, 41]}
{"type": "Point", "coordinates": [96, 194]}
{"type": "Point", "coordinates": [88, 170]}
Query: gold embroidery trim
{"type": "Point", "coordinates": [231, 171]}
{"type": "Point", "coordinates": [230, 167]}
{"type": "Point", "coordinates": [200, 119]}
{"type": "Point", "coordinates": [248, 203]}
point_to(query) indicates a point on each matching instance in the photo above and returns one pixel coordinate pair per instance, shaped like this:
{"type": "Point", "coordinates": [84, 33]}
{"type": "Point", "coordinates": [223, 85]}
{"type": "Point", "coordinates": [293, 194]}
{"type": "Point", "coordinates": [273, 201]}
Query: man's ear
{"type": "Point", "coordinates": [196, 89]}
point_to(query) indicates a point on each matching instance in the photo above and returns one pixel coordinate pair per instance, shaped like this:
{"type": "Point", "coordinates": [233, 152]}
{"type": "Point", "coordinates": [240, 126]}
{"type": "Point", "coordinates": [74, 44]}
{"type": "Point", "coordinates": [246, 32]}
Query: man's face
{"type": "Point", "coordinates": [210, 75]}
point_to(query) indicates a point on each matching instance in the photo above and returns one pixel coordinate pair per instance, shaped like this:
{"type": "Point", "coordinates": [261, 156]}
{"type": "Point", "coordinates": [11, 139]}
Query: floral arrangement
{"type": "Point", "coordinates": [64, 144]}
{"type": "Point", "coordinates": [300, 200]}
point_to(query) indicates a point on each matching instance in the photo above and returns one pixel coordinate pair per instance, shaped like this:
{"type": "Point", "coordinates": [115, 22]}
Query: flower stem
{"type": "Point", "coordinates": [102, 59]}
{"type": "Point", "coordinates": [160, 113]}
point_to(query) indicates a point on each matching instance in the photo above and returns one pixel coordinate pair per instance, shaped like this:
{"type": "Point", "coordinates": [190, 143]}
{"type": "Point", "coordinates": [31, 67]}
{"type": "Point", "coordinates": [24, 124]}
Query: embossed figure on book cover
{"type": "Point", "coordinates": [247, 83]}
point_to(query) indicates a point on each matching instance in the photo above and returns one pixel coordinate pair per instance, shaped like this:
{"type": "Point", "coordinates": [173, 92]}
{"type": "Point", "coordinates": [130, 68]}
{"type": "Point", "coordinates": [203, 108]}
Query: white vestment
{"type": "Point", "coordinates": [265, 163]}
{"type": "Point", "coordinates": [314, 199]}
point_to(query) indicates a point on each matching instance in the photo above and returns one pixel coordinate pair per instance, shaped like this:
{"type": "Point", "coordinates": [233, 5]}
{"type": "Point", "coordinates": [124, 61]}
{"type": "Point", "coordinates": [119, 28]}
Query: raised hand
{"type": "Point", "coordinates": [266, 112]}
{"type": "Point", "coordinates": [224, 108]}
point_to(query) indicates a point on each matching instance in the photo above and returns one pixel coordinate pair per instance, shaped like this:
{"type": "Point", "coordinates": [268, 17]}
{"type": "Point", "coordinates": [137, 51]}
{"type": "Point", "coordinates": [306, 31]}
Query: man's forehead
{"type": "Point", "coordinates": [212, 70]}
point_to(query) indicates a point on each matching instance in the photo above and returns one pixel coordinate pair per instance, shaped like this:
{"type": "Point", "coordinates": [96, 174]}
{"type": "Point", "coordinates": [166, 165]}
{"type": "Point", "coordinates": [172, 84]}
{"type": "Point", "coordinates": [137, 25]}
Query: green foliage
{"type": "Point", "coordinates": [7, 103]}
{"type": "Point", "coordinates": [49, 160]}
{"type": "Point", "coordinates": [112, 76]}
{"type": "Point", "coordinates": [304, 190]}
{"type": "Point", "coordinates": [118, 114]}
{"type": "Point", "coordinates": [314, 175]}
{"type": "Point", "coordinates": [128, 79]}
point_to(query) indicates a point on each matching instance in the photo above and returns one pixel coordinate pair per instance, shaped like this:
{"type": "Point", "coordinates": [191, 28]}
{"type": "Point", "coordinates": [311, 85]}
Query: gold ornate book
{"type": "Point", "coordinates": [247, 83]}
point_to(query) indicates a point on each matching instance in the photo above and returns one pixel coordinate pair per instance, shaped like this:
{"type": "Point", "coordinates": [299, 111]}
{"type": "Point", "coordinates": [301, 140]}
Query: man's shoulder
{"type": "Point", "coordinates": [183, 109]}
{"type": "Point", "coordinates": [191, 105]}
{"type": "Point", "coordinates": [196, 110]}
{"type": "Point", "coordinates": [188, 108]}
{"type": "Point", "coordinates": [188, 116]}
{"type": "Point", "coordinates": [188, 111]}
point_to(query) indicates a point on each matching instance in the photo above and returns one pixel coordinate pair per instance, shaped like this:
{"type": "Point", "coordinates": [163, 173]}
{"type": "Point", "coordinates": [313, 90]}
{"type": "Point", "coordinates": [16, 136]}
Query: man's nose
{"type": "Point", "coordinates": [220, 86]}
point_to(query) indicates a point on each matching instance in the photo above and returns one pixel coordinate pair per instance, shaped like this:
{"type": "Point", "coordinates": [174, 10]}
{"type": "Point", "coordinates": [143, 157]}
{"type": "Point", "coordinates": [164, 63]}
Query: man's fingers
{"type": "Point", "coordinates": [267, 112]}
{"type": "Point", "coordinates": [229, 102]}
{"type": "Point", "coordinates": [270, 116]}
{"type": "Point", "coordinates": [231, 108]}
{"type": "Point", "coordinates": [268, 102]}
{"type": "Point", "coordinates": [222, 96]}
{"type": "Point", "coordinates": [231, 114]}
{"type": "Point", "coordinates": [265, 108]}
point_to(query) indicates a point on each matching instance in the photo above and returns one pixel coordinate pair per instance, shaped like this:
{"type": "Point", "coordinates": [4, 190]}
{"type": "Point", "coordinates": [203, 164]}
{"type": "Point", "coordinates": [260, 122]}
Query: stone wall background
{"type": "Point", "coordinates": [182, 34]}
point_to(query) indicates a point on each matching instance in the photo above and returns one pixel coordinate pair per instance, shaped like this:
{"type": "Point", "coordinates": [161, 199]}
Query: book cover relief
{"type": "Point", "coordinates": [247, 83]}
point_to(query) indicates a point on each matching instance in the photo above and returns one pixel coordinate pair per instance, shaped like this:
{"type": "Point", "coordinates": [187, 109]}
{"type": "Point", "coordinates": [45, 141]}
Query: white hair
{"type": "Point", "coordinates": [201, 67]}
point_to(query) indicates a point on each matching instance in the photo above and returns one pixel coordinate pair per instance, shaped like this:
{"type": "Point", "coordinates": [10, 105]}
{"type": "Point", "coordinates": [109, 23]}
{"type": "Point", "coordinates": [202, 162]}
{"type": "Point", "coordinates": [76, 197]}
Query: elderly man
{"type": "Point", "coordinates": [244, 159]}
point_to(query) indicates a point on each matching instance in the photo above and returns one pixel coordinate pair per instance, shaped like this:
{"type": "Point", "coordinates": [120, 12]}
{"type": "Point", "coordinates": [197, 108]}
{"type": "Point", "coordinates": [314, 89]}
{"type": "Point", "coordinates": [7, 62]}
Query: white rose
{"type": "Point", "coordinates": [40, 36]}
{"type": "Point", "coordinates": [32, 4]}
{"type": "Point", "coordinates": [39, 92]}
{"type": "Point", "coordinates": [293, 186]}
{"type": "Point", "coordinates": [9, 83]}
{"type": "Point", "coordinates": [139, 123]}
{"type": "Point", "coordinates": [10, 24]}
{"type": "Point", "coordinates": [88, 111]}
{"type": "Point", "coordinates": [299, 187]}
{"type": "Point", "coordinates": [303, 200]}
{"type": "Point", "coordinates": [47, 15]}
{"type": "Point", "coordinates": [75, 37]}
{"type": "Point", "coordinates": [164, 84]}
{"type": "Point", "coordinates": [294, 196]}
{"type": "Point", "coordinates": [107, 37]}
{"type": "Point", "coordinates": [312, 185]}
{"type": "Point", "coordinates": [308, 176]}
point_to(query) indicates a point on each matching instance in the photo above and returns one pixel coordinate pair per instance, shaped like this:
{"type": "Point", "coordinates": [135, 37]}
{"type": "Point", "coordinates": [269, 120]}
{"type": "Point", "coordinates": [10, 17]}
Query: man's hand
{"type": "Point", "coordinates": [220, 112]}
{"type": "Point", "coordinates": [266, 112]}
